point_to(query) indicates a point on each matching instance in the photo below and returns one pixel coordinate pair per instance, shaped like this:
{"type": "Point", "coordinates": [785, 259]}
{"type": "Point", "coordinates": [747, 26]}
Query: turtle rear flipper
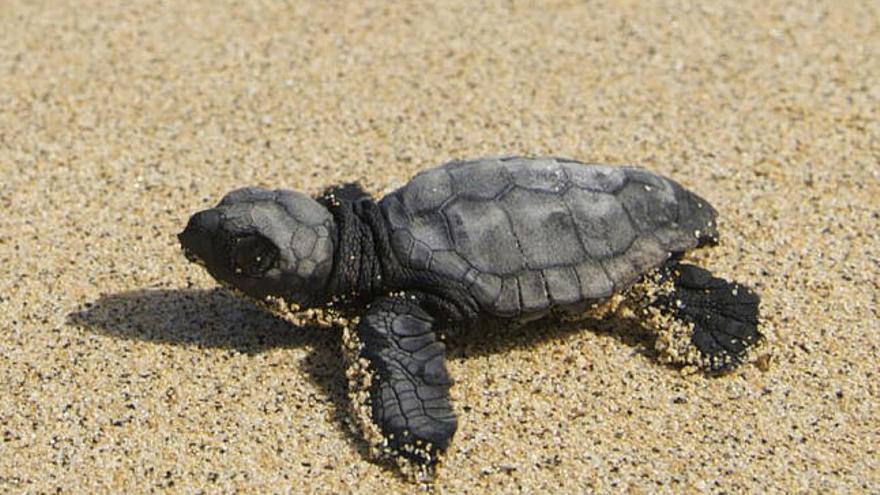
{"type": "Point", "coordinates": [718, 318]}
{"type": "Point", "coordinates": [399, 382]}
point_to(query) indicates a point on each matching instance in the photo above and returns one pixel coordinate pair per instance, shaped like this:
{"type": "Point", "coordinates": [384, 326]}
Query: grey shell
{"type": "Point", "coordinates": [527, 234]}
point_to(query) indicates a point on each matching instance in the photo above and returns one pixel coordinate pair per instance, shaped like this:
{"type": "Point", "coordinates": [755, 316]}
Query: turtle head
{"type": "Point", "coordinates": [265, 243]}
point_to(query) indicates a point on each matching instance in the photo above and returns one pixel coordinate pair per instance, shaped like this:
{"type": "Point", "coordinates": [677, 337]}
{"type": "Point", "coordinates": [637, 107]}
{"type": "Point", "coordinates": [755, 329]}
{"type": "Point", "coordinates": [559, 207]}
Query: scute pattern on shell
{"type": "Point", "coordinates": [526, 234]}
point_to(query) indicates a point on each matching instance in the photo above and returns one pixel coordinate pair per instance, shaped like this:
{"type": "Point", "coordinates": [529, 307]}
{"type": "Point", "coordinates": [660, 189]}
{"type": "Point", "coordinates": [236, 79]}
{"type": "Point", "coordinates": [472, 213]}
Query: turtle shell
{"type": "Point", "coordinates": [524, 235]}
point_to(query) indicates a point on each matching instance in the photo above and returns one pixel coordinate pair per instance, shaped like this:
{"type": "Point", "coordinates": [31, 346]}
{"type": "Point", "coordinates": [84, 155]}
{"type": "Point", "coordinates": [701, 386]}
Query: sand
{"type": "Point", "coordinates": [124, 369]}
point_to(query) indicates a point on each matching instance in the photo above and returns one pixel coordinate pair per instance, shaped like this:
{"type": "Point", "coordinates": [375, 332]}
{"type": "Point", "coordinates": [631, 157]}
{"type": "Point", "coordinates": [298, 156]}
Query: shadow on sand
{"type": "Point", "coordinates": [212, 318]}
{"type": "Point", "coordinates": [217, 319]}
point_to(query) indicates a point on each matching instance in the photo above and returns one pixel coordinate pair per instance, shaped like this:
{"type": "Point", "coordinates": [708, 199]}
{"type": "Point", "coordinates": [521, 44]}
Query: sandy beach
{"type": "Point", "coordinates": [125, 369]}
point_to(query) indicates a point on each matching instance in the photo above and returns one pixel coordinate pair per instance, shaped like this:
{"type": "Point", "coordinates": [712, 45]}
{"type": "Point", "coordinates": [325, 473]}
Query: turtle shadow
{"type": "Point", "coordinates": [210, 319]}
{"type": "Point", "coordinates": [217, 319]}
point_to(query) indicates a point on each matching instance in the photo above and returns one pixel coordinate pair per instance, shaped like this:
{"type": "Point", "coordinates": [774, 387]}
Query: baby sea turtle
{"type": "Point", "coordinates": [470, 244]}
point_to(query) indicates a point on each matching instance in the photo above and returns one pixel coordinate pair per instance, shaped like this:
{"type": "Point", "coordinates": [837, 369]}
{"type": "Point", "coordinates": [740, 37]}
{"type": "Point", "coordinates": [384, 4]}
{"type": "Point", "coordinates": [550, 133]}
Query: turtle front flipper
{"type": "Point", "coordinates": [701, 319]}
{"type": "Point", "coordinates": [399, 382]}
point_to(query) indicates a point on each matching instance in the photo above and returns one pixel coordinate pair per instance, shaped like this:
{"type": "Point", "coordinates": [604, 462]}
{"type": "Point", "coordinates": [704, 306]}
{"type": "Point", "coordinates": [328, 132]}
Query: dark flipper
{"type": "Point", "coordinates": [724, 315]}
{"type": "Point", "coordinates": [408, 386]}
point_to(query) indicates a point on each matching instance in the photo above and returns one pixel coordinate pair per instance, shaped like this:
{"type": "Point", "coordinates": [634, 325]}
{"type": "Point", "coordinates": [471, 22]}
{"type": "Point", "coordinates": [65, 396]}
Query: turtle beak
{"type": "Point", "coordinates": [196, 239]}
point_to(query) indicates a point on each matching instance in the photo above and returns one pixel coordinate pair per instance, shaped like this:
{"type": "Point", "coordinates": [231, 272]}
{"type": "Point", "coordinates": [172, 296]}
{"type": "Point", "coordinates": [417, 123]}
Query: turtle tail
{"type": "Point", "coordinates": [703, 319]}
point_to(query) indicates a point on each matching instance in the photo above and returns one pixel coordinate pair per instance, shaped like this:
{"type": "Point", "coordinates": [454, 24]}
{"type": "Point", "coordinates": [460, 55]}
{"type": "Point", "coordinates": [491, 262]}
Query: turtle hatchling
{"type": "Point", "coordinates": [469, 245]}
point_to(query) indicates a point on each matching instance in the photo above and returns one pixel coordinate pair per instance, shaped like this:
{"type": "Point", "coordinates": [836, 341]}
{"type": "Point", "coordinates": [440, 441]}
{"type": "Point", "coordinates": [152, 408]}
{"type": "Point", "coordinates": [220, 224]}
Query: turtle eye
{"type": "Point", "coordinates": [253, 255]}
